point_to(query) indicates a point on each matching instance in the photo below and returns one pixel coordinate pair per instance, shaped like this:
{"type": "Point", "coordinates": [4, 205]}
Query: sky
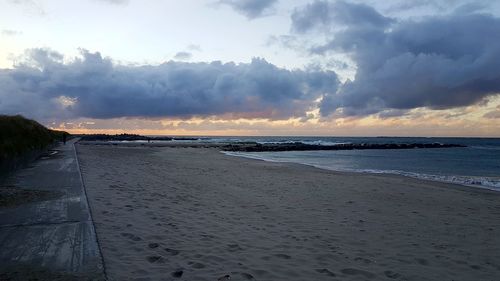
{"type": "Point", "coordinates": [253, 67]}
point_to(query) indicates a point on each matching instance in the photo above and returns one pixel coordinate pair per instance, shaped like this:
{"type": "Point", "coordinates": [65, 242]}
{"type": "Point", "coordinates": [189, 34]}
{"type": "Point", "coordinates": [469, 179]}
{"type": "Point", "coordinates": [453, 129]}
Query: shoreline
{"type": "Point", "coordinates": [201, 215]}
{"type": "Point", "coordinates": [218, 146]}
{"type": "Point", "coordinates": [413, 175]}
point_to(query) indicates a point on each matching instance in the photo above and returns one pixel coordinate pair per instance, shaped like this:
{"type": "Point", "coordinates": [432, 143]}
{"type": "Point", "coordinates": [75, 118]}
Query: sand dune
{"type": "Point", "coordinates": [196, 214]}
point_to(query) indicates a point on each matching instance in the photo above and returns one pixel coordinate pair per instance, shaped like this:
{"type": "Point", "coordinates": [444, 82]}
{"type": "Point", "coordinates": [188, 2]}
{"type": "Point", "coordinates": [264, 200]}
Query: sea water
{"type": "Point", "coordinates": [478, 164]}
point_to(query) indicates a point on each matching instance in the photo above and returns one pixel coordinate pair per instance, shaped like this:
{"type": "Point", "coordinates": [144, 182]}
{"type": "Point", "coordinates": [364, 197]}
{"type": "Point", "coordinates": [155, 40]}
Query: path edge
{"type": "Point", "coordinates": [82, 182]}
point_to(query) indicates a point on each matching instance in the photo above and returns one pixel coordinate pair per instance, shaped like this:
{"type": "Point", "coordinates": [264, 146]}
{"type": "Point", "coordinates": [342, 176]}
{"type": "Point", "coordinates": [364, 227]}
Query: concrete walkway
{"type": "Point", "coordinates": [55, 236]}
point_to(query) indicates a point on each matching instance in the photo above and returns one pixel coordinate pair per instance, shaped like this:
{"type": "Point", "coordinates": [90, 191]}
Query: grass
{"type": "Point", "coordinates": [19, 135]}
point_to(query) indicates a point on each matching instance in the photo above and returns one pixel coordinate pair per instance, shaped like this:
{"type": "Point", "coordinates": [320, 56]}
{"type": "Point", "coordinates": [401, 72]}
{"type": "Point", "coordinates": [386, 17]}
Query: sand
{"type": "Point", "coordinates": [178, 213]}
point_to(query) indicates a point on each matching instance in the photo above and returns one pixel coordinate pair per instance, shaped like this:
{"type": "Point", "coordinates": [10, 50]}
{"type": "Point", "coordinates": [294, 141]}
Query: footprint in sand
{"type": "Point", "coordinates": [155, 259]}
{"type": "Point", "coordinates": [234, 247]}
{"type": "Point", "coordinates": [172, 252]}
{"type": "Point", "coordinates": [326, 272]}
{"type": "Point", "coordinates": [197, 265]}
{"type": "Point", "coordinates": [131, 236]}
{"type": "Point", "coordinates": [476, 267]}
{"type": "Point", "coordinates": [153, 245]}
{"type": "Point", "coordinates": [177, 274]}
{"type": "Point", "coordinates": [392, 274]}
{"type": "Point", "coordinates": [224, 278]}
{"type": "Point", "coordinates": [363, 260]}
{"type": "Point", "coordinates": [283, 256]}
{"type": "Point", "coordinates": [354, 271]}
{"type": "Point", "coordinates": [422, 261]}
{"type": "Point", "coordinates": [246, 276]}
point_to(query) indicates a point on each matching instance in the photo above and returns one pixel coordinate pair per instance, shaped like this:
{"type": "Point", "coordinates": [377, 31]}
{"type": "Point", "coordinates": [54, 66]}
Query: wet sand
{"type": "Point", "coordinates": [177, 213]}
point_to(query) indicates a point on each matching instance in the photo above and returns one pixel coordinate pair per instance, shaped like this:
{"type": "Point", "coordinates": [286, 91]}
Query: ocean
{"type": "Point", "coordinates": [477, 165]}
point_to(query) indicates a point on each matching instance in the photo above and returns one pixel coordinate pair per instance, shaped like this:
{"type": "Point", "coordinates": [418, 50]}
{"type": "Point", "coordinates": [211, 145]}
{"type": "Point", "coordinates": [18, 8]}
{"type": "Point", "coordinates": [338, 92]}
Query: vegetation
{"type": "Point", "coordinates": [19, 135]}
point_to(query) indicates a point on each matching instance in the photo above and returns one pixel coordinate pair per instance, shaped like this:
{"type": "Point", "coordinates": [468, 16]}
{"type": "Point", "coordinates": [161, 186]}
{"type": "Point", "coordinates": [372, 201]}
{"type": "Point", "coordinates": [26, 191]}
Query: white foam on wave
{"type": "Point", "coordinates": [483, 182]}
{"type": "Point", "coordinates": [480, 182]}
{"type": "Point", "coordinates": [484, 147]}
{"type": "Point", "coordinates": [251, 156]}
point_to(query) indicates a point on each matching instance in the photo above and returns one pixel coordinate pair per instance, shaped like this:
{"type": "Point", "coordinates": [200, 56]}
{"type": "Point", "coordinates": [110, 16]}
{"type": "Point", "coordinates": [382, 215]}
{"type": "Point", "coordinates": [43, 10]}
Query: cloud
{"type": "Point", "coordinates": [183, 56]}
{"type": "Point", "coordinates": [33, 6]}
{"type": "Point", "coordinates": [286, 41]}
{"type": "Point", "coordinates": [392, 113]}
{"type": "Point", "coordinates": [194, 47]}
{"type": "Point", "coordinates": [10, 32]}
{"type": "Point", "coordinates": [115, 2]}
{"type": "Point", "coordinates": [250, 8]}
{"type": "Point", "coordinates": [325, 15]}
{"type": "Point", "coordinates": [48, 86]}
{"type": "Point", "coordinates": [494, 114]}
{"type": "Point", "coordinates": [187, 55]}
{"type": "Point", "coordinates": [439, 5]}
{"type": "Point", "coordinates": [438, 62]}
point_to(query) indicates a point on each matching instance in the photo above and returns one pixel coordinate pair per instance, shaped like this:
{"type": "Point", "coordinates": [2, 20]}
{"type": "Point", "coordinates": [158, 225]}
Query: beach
{"type": "Point", "coordinates": [192, 213]}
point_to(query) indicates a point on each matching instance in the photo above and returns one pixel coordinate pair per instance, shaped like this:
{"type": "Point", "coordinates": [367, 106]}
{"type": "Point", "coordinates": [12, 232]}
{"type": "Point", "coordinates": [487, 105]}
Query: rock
{"type": "Point", "coordinates": [298, 146]}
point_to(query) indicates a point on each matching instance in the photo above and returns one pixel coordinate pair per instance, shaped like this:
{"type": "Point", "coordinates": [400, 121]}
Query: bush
{"type": "Point", "coordinates": [19, 135]}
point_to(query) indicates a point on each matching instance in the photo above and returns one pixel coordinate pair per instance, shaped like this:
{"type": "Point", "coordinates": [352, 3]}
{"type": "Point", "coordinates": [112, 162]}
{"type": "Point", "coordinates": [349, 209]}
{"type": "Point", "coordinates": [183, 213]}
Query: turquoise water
{"type": "Point", "coordinates": [478, 164]}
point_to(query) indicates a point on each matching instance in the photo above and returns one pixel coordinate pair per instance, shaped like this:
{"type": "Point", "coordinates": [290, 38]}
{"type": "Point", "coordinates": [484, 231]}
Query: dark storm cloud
{"type": "Point", "coordinates": [438, 62]}
{"type": "Point", "coordinates": [92, 86]}
{"type": "Point", "coordinates": [328, 15]}
{"type": "Point", "coordinates": [439, 5]}
{"type": "Point", "coordinates": [250, 8]}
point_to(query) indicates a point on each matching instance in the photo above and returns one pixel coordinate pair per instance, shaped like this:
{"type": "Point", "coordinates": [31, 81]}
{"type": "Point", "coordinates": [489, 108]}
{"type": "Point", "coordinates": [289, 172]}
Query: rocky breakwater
{"type": "Point", "coordinates": [299, 146]}
{"type": "Point", "coordinates": [132, 137]}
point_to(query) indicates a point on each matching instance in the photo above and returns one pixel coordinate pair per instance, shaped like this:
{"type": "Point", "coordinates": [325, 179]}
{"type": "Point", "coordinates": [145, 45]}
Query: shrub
{"type": "Point", "coordinates": [19, 135]}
